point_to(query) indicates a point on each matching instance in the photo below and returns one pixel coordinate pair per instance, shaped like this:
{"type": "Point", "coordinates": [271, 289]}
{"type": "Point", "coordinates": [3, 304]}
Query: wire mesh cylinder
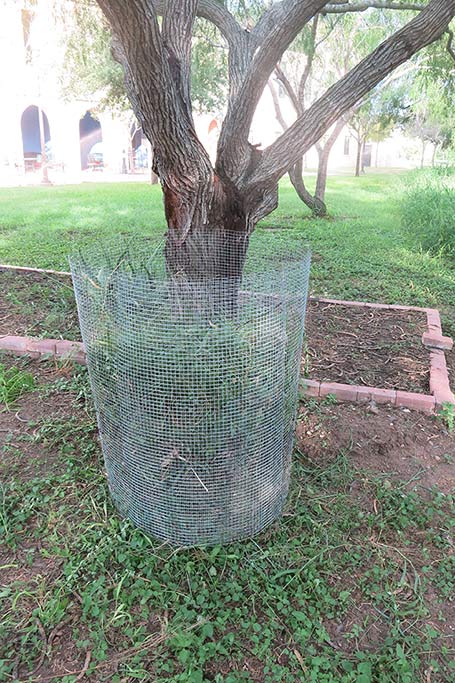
{"type": "Point", "coordinates": [195, 379]}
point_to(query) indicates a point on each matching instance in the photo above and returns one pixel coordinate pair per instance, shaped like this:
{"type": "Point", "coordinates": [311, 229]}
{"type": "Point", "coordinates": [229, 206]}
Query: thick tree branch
{"type": "Point", "coordinates": [156, 90]}
{"type": "Point", "coordinates": [236, 38]}
{"type": "Point", "coordinates": [177, 30]}
{"type": "Point", "coordinates": [273, 34]}
{"type": "Point", "coordinates": [214, 12]}
{"type": "Point", "coordinates": [424, 29]}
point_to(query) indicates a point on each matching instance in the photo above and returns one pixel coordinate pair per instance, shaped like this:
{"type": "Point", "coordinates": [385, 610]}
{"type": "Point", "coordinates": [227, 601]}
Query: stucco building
{"type": "Point", "coordinates": [79, 142]}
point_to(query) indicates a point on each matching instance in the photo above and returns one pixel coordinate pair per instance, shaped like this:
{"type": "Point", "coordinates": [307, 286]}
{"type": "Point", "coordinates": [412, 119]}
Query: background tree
{"type": "Point", "coordinates": [431, 116]}
{"type": "Point", "coordinates": [301, 89]}
{"type": "Point", "coordinates": [331, 48]}
{"type": "Point", "coordinates": [242, 188]}
{"type": "Point", "coordinates": [375, 119]}
{"type": "Point", "coordinates": [90, 70]}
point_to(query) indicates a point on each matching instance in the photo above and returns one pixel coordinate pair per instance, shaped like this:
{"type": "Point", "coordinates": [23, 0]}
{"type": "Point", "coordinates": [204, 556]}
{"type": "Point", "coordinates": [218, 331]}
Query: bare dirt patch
{"type": "Point", "coordinates": [409, 445]}
{"type": "Point", "coordinates": [22, 453]}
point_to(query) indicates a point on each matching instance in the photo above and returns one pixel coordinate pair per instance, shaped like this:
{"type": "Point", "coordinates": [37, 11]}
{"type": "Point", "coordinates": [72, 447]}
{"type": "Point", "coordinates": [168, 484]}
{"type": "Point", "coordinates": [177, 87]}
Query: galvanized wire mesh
{"type": "Point", "coordinates": [195, 380]}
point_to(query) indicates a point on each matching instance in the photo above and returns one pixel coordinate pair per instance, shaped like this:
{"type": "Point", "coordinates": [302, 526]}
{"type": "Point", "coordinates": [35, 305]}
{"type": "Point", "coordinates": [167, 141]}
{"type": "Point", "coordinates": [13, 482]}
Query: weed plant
{"type": "Point", "coordinates": [428, 210]}
{"type": "Point", "coordinates": [14, 382]}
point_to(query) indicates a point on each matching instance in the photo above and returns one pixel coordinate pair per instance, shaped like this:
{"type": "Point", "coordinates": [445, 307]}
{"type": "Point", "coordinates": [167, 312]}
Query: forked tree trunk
{"type": "Point", "coordinates": [316, 205]}
{"type": "Point", "coordinates": [316, 201]}
{"type": "Point", "coordinates": [243, 187]}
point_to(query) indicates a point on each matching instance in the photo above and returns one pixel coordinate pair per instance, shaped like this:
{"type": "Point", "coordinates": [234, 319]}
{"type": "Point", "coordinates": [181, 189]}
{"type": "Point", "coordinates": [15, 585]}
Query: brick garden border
{"type": "Point", "coordinates": [433, 339]}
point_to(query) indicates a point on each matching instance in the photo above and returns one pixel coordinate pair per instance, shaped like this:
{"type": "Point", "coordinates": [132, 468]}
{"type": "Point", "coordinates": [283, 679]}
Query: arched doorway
{"type": "Point", "coordinates": [31, 137]}
{"type": "Point", "coordinates": [140, 154]}
{"type": "Point", "coordinates": [91, 142]}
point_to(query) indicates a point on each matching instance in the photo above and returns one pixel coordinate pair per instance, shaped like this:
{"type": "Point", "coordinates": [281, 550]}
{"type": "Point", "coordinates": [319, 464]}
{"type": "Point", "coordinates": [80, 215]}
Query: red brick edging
{"type": "Point", "coordinates": [42, 348]}
{"type": "Point", "coordinates": [433, 339]}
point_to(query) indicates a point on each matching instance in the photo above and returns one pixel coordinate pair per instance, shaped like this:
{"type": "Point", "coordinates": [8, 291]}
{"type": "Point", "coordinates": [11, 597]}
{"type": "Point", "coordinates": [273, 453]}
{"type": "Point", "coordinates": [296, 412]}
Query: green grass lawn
{"type": "Point", "coordinates": [354, 584]}
{"type": "Point", "coordinates": [360, 252]}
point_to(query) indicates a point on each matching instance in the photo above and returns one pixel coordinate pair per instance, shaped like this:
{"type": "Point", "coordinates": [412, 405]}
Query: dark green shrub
{"type": "Point", "coordinates": [428, 210]}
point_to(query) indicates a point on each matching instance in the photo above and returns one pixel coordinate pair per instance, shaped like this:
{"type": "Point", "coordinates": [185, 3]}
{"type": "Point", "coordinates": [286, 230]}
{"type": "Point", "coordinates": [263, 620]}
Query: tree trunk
{"type": "Point", "coordinates": [377, 155]}
{"type": "Point", "coordinates": [316, 202]}
{"type": "Point", "coordinates": [214, 246]}
{"type": "Point", "coordinates": [321, 180]}
{"type": "Point", "coordinates": [422, 158]}
{"type": "Point", "coordinates": [362, 158]}
{"type": "Point", "coordinates": [316, 205]}
{"type": "Point", "coordinates": [433, 157]}
{"type": "Point", "coordinates": [358, 161]}
{"type": "Point", "coordinates": [324, 154]}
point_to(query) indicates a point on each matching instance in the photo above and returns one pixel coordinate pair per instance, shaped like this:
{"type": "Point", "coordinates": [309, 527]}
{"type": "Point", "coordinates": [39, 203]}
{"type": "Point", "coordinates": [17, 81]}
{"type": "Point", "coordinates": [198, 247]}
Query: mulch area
{"type": "Point", "coordinates": [370, 347]}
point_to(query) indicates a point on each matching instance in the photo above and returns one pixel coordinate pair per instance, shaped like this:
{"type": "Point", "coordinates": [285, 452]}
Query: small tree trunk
{"type": "Point", "coordinates": [321, 180]}
{"type": "Point", "coordinates": [323, 159]}
{"type": "Point", "coordinates": [358, 162]}
{"type": "Point", "coordinates": [362, 158]}
{"type": "Point", "coordinates": [422, 159]}
{"type": "Point", "coordinates": [296, 176]}
{"type": "Point", "coordinates": [433, 158]}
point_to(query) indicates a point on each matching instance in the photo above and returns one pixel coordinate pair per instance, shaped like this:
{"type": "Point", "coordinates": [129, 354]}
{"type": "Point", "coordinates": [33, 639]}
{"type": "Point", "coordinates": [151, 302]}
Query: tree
{"type": "Point", "coordinates": [331, 54]}
{"type": "Point", "coordinates": [298, 96]}
{"type": "Point", "coordinates": [242, 188]}
{"type": "Point", "coordinates": [89, 69]}
{"type": "Point", "coordinates": [375, 119]}
{"type": "Point", "coordinates": [431, 116]}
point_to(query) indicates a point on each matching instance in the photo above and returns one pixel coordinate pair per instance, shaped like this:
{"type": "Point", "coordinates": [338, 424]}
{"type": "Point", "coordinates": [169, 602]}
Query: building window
{"type": "Point", "coordinates": [347, 141]}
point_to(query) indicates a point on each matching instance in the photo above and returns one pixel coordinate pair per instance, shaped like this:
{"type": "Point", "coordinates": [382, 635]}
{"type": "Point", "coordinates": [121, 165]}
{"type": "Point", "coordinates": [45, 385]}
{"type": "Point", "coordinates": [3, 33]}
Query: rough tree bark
{"type": "Point", "coordinates": [242, 188]}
